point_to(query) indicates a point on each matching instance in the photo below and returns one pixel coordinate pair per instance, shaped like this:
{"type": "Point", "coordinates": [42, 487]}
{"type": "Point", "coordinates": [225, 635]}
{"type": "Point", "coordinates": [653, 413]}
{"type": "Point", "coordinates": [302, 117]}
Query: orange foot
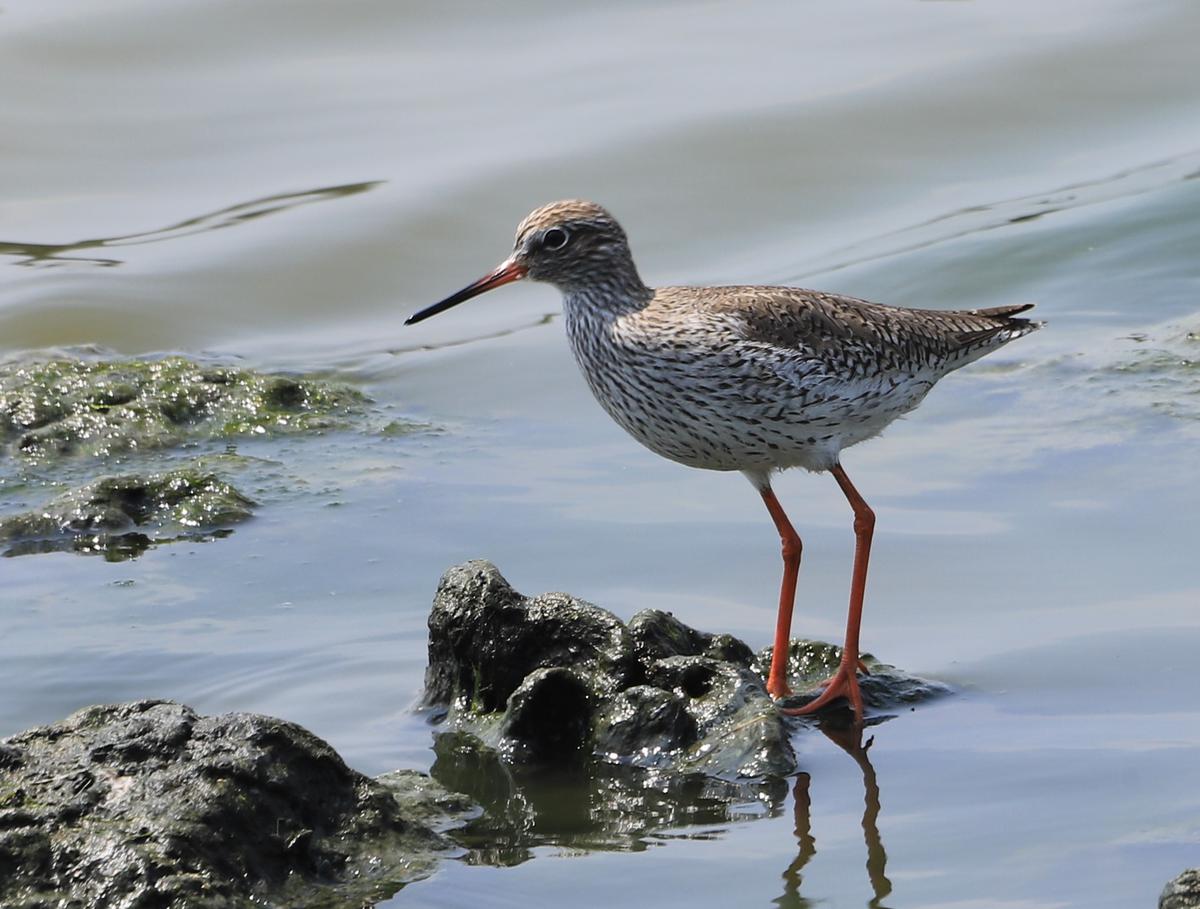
{"type": "Point", "coordinates": [777, 687]}
{"type": "Point", "coordinates": [844, 684]}
{"type": "Point", "coordinates": [862, 667]}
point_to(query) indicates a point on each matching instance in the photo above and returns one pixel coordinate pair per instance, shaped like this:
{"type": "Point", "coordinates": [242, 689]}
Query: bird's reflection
{"type": "Point", "coordinates": [46, 254]}
{"type": "Point", "coordinates": [792, 876]}
{"type": "Point", "coordinates": [589, 806]}
{"type": "Point", "coordinates": [849, 738]}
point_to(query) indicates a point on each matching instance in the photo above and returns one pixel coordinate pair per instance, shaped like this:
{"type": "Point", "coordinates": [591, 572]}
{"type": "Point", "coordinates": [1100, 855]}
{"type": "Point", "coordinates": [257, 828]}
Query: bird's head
{"type": "Point", "coordinates": [573, 245]}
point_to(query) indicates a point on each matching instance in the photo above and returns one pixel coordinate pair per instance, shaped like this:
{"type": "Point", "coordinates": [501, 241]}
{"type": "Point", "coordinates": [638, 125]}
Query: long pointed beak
{"type": "Point", "coordinates": [505, 273]}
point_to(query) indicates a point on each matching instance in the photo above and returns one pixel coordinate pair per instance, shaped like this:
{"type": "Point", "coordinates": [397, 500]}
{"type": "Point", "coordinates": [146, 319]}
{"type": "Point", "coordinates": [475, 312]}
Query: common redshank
{"type": "Point", "coordinates": [755, 379]}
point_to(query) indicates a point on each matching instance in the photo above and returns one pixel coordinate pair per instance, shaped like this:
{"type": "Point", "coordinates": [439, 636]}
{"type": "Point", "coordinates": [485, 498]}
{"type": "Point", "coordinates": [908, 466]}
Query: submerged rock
{"type": "Point", "coordinates": [120, 517]}
{"type": "Point", "coordinates": [555, 679]}
{"type": "Point", "coordinates": [60, 407]}
{"type": "Point", "coordinates": [1183, 892]}
{"type": "Point", "coordinates": [150, 804]}
{"type": "Point", "coordinates": [68, 422]}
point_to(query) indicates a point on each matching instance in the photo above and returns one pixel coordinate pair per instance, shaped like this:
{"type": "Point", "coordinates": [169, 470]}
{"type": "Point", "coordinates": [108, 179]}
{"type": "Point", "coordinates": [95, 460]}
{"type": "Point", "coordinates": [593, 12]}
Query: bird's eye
{"type": "Point", "coordinates": [555, 238]}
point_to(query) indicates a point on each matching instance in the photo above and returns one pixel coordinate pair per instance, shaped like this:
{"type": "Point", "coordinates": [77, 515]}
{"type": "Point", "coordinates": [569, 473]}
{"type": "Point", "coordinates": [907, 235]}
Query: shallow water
{"type": "Point", "coordinates": [281, 184]}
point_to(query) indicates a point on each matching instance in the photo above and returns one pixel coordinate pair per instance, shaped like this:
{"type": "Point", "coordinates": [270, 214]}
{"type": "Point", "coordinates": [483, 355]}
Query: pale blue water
{"type": "Point", "coordinates": [282, 184]}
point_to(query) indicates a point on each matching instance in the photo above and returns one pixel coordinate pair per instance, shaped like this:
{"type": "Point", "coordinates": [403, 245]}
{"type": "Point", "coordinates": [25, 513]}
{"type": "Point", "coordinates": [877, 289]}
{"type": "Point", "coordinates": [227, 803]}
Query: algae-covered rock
{"type": "Point", "coordinates": [64, 406]}
{"type": "Point", "coordinates": [123, 515]}
{"type": "Point", "coordinates": [150, 804]}
{"type": "Point", "coordinates": [67, 423]}
{"type": "Point", "coordinates": [553, 679]}
{"type": "Point", "coordinates": [1183, 892]}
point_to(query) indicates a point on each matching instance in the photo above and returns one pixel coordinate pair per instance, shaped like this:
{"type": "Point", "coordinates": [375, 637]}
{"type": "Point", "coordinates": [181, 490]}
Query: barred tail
{"type": "Point", "coordinates": [1003, 312]}
{"type": "Point", "coordinates": [1003, 328]}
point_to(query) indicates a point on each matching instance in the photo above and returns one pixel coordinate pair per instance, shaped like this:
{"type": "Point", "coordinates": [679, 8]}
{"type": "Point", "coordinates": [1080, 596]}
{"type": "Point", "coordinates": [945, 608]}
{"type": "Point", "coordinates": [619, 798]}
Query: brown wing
{"type": "Point", "coordinates": [839, 328]}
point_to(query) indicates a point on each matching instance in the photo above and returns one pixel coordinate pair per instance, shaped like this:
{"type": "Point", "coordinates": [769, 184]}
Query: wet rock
{"type": "Point", "coordinates": [884, 688]}
{"type": "Point", "coordinates": [547, 716]}
{"type": "Point", "coordinates": [485, 638]}
{"type": "Point", "coordinates": [150, 804]}
{"type": "Point", "coordinates": [54, 408]}
{"type": "Point", "coordinates": [1183, 892]}
{"type": "Point", "coordinates": [645, 713]}
{"type": "Point", "coordinates": [555, 679]}
{"type": "Point", "coordinates": [68, 421]}
{"type": "Point", "coordinates": [657, 635]}
{"type": "Point", "coordinates": [119, 517]}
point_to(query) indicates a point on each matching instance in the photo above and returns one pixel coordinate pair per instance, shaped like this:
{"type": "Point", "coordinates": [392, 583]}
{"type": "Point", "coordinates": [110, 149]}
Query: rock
{"type": "Point", "coordinates": [553, 679]}
{"type": "Point", "coordinates": [121, 516]}
{"type": "Point", "coordinates": [885, 687]}
{"type": "Point", "coordinates": [62, 407]}
{"type": "Point", "coordinates": [1183, 892]}
{"type": "Point", "coordinates": [485, 638]}
{"type": "Point", "coordinates": [149, 804]}
{"type": "Point", "coordinates": [641, 713]}
{"type": "Point", "coordinates": [67, 423]}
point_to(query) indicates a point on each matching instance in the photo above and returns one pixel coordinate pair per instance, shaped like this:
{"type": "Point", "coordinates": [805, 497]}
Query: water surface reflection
{"type": "Point", "coordinates": [593, 806]}
{"type": "Point", "coordinates": [602, 807]}
{"type": "Point", "coordinates": [52, 254]}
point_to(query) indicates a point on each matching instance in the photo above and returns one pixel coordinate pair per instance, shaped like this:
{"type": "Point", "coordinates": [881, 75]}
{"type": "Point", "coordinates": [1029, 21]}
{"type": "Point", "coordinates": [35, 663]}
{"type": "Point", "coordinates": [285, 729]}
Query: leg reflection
{"type": "Point", "coordinates": [849, 739]}
{"type": "Point", "coordinates": [802, 814]}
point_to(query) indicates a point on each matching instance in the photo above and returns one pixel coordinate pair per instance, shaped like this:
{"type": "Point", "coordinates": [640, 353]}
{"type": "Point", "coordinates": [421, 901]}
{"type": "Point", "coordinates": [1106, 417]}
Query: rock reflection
{"type": "Point", "coordinates": [51, 254]}
{"type": "Point", "coordinates": [588, 807]}
{"type": "Point", "coordinates": [849, 739]}
{"type": "Point", "coordinates": [111, 547]}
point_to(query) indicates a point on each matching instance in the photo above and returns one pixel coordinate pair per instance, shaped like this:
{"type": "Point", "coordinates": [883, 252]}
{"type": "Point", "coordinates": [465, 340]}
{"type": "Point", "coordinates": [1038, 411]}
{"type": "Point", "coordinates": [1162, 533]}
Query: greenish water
{"type": "Point", "coordinates": [278, 185]}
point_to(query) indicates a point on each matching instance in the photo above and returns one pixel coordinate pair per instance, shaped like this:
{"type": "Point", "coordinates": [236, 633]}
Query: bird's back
{"type": "Point", "coordinates": [854, 337]}
{"type": "Point", "coordinates": [763, 377]}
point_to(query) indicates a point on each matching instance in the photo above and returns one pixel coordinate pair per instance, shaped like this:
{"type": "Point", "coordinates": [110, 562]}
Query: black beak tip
{"type": "Point", "coordinates": [505, 273]}
{"type": "Point", "coordinates": [423, 314]}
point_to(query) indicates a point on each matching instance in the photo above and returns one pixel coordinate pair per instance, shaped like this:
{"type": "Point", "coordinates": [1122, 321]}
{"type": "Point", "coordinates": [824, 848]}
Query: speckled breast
{"type": "Point", "coordinates": [698, 394]}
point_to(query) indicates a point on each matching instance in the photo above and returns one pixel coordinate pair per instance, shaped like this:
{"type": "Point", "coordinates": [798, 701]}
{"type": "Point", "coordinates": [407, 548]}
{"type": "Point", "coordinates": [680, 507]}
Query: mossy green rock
{"type": "Point", "coordinates": [61, 407]}
{"type": "Point", "coordinates": [122, 515]}
{"type": "Point", "coordinates": [164, 425]}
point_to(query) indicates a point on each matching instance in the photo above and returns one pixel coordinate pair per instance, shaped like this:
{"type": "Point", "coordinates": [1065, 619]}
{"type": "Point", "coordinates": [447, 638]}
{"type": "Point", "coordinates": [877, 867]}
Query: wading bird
{"type": "Point", "coordinates": [748, 378]}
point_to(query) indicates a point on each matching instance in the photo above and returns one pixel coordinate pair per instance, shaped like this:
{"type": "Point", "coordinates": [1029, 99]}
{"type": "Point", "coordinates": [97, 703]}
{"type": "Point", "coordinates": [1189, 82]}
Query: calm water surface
{"type": "Point", "coordinates": [281, 184]}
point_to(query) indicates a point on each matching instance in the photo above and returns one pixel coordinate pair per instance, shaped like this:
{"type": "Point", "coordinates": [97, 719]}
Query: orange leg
{"type": "Point", "coordinates": [777, 685]}
{"type": "Point", "coordinates": [845, 681]}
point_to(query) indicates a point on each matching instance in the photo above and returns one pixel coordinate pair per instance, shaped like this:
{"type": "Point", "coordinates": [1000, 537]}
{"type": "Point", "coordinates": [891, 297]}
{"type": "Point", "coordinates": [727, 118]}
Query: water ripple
{"type": "Point", "coordinates": [57, 254]}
